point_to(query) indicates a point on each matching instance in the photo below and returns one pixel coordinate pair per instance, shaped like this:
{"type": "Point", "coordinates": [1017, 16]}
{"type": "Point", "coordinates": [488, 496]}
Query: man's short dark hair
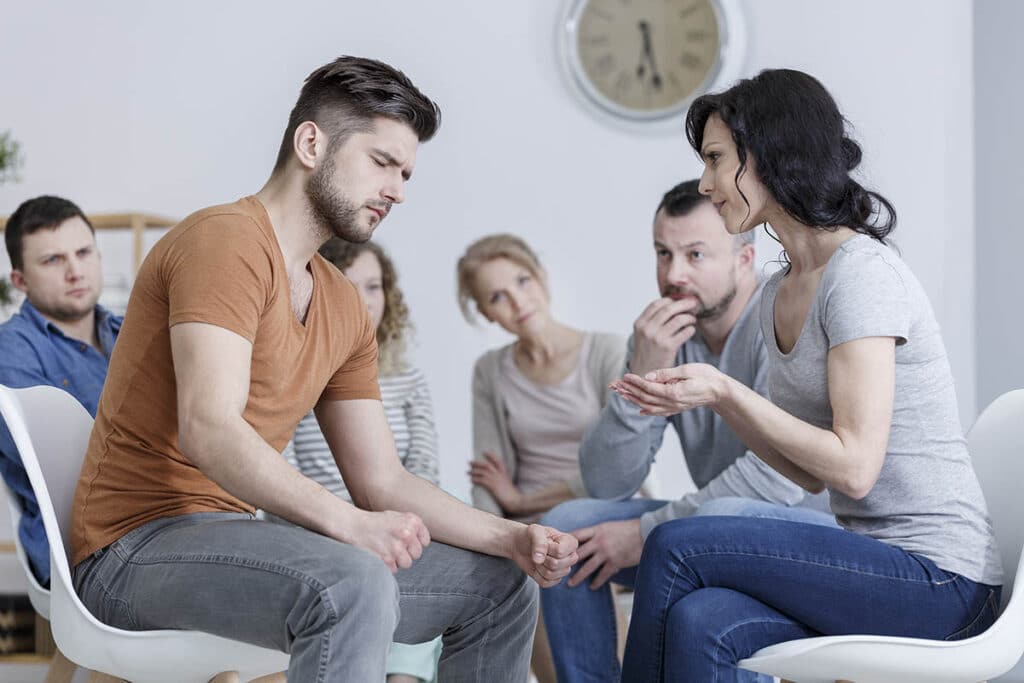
{"type": "Point", "coordinates": [46, 212]}
{"type": "Point", "coordinates": [682, 199]}
{"type": "Point", "coordinates": [344, 97]}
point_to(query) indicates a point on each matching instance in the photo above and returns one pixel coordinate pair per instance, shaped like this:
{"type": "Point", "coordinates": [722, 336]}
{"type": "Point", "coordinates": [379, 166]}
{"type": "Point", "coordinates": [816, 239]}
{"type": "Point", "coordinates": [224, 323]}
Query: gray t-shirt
{"type": "Point", "coordinates": [927, 499]}
{"type": "Point", "coordinates": [617, 453]}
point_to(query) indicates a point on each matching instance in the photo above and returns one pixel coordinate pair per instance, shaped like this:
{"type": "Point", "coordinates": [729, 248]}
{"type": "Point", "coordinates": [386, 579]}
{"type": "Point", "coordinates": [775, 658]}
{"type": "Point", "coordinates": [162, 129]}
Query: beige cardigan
{"type": "Point", "coordinates": [490, 418]}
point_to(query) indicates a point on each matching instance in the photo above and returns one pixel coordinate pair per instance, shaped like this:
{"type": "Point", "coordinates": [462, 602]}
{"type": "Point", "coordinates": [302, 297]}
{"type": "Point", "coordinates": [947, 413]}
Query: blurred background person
{"type": "Point", "coordinates": [407, 405]}
{"type": "Point", "coordinates": [533, 399]}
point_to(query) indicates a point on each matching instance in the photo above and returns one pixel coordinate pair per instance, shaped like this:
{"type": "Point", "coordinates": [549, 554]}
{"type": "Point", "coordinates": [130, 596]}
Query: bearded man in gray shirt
{"type": "Point", "coordinates": [707, 313]}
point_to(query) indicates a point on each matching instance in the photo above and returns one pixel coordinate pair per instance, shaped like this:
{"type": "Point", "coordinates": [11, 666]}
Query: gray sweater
{"type": "Point", "coordinates": [617, 453]}
{"type": "Point", "coordinates": [490, 414]}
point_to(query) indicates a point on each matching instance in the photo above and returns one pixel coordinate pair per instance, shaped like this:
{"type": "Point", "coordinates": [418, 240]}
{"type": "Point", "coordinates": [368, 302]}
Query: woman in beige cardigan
{"type": "Point", "coordinates": [534, 398]}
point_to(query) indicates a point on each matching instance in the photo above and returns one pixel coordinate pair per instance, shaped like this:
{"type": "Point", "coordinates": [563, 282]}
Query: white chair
{"type": "Point", "coordinates": [996, 444]}
{"type": "Point", "coordinates": [60, 670]}
{"type": "Point", "coordinates": [51, 430]}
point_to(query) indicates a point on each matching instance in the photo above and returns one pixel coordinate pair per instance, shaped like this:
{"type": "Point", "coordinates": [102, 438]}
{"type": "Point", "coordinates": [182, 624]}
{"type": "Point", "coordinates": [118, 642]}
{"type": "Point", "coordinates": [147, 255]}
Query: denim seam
{"type": "Point", "coordinates": [719, 644]}
{"type": "Point", "coordinates": [113, 598]}
{"type": "Point", "coordinates": [325, 647]}
{"type": "Point", "coordinates": [232, 561]}
{"type": "Point", "coordinates": [613, 616]}
{"type": "Point", "coordinates": [824, 564]}
{"type": "Point", "coordinates": [986, 604]}
{"type": "Point", "coordinates": [663, 618]}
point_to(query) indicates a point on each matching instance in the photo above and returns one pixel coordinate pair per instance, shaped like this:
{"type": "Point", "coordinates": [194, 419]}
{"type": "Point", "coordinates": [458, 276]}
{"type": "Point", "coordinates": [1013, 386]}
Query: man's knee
{"type": "Point", "coordinates": [361, 590]}
{"type": "Point", "coordinates": [575, 514]}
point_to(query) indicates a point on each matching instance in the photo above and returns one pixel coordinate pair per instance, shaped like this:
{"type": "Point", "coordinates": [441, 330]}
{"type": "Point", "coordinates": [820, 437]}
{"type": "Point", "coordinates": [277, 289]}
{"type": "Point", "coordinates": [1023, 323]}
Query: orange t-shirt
{"type": "Point", "coordinates": [220, 266]}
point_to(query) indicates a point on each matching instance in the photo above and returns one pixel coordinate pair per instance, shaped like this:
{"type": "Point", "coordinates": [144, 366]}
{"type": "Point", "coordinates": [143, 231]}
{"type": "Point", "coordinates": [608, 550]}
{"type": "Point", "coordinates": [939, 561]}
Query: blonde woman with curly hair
{"type": "Point", "coordinates": [407, 404]}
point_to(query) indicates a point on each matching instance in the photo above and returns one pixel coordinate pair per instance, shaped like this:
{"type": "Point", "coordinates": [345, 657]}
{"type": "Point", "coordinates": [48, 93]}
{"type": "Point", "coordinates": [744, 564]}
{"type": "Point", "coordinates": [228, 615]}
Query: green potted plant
{"type": "Point", "coordinates": [10, 162]}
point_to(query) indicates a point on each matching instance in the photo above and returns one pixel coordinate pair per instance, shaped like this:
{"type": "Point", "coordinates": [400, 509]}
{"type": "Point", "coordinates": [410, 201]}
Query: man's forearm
{"type": "Point", "coordinates": [615, 455]}
{"type": "Point", "coordinates": [234, 456]}
{"type": "Point", "coordinates": [448, 519]}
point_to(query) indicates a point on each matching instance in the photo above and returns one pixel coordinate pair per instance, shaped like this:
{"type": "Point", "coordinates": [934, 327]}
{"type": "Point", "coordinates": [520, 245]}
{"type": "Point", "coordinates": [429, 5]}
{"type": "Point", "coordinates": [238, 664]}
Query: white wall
{"type": "Point", "coordinates": [999, 106]}
{"type": "Point", "coordinates": [167, 107]}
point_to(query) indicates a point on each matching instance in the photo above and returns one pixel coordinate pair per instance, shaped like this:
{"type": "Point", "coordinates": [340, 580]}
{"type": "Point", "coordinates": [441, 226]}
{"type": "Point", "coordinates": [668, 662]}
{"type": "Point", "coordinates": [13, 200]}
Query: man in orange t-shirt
{"type": "Point", "coordinates": [235, 329]}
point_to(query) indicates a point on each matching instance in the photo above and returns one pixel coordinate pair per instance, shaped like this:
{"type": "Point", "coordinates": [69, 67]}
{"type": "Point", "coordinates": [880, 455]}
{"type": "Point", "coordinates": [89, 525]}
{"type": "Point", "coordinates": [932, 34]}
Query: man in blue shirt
{"type": "Point", "coordinates": [60, 337]}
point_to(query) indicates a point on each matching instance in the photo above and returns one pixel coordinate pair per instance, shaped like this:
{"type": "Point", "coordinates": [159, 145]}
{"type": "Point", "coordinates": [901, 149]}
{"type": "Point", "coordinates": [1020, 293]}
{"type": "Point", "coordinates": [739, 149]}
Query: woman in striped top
{"type": "Point", "coordinates": [407, 404]}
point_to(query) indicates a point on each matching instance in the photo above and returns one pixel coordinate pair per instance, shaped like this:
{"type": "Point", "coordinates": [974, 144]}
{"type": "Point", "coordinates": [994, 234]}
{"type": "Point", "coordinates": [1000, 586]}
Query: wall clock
{"type": "Point", "coordinates": [641, 62]}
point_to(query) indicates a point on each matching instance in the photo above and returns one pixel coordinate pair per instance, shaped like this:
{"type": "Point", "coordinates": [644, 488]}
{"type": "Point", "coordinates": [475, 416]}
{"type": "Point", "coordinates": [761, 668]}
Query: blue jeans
{"type": "Point", "coordinates": [581, 621]}
{"type": "Point", "coordinates": [712, 591]}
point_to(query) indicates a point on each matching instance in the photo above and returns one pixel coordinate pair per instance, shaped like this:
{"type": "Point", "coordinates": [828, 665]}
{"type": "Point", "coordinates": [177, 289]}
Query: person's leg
{"type": "Point", "coordinates": [713, 624]}
{"type": "Point", "coordinates": [581, 622]}
{"type": "Point", "coordinates": [737, 506]}
{"type": "Point", "coordinates": [485, 607]}
{"type": "Point", "coordinates": [825, 580]}
{"type": "Point", "coordinates": [331, 605]}
{"type": "Point", "coordinates": [541, 665]}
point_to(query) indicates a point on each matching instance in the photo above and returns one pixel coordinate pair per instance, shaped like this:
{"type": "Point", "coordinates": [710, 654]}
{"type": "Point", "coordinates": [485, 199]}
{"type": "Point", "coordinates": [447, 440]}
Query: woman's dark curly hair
{"type": "Point", "coordinates": [395, 327]}
{"type": "Point", "coordinates": [789, 123]}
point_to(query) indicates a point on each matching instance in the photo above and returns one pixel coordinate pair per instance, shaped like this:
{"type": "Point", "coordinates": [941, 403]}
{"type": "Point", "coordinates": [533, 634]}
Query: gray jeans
{"type": "Point", "coordinates": [334, 607]}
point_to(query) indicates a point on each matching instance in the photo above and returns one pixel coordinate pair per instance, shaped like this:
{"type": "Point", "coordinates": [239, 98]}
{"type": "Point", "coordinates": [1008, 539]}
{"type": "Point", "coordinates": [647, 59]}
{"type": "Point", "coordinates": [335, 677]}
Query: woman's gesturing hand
{"type": "Point", "coordinates": [672, 390]}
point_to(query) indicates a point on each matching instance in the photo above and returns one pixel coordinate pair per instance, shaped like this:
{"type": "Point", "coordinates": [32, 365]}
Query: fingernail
{"type": "Point", "coordinates": [650, 376]}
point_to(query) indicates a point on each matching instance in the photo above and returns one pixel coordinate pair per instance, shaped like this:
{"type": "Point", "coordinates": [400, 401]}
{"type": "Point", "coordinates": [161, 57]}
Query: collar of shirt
{"type": "Point", "coordinates": [107, 326]}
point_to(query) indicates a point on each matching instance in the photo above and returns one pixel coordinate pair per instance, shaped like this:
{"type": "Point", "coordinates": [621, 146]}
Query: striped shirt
{"type": "Point", "coordinates": [410, 414]}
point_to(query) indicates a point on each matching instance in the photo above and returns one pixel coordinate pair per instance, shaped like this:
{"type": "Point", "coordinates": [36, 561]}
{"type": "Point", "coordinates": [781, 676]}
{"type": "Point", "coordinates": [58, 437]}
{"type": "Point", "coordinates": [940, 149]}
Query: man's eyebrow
{"type": "Point", "coordinates": [392, 161]}
{"type": "Point", "coordinates": [688, 245]}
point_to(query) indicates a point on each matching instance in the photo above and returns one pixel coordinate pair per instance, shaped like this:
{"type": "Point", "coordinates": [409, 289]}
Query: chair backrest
{"type": "Point", "coordinates": [996, 443]}
{"type": "Point", "coordinates": [51, 430]}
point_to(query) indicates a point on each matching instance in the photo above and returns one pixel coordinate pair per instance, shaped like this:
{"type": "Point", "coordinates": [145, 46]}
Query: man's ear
{"type": "Point", "coordinates": [746, 256]}
{"type": "Point", "coordinates": [18, 280]}
{"type": "Point", "coordinates": [309, 144]}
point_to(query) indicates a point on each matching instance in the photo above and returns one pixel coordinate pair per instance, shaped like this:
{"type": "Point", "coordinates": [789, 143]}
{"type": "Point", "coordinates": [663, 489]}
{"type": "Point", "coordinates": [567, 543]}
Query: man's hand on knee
{"type": "Point", "coordinates": [397, 538]}
{"type": "Point", "coordinates": [607, 548]}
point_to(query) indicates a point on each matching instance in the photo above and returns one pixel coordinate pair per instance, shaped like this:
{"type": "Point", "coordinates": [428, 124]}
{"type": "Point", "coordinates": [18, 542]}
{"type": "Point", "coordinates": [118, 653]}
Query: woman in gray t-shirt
{"type": "Point", "coordinates": [861, 403]}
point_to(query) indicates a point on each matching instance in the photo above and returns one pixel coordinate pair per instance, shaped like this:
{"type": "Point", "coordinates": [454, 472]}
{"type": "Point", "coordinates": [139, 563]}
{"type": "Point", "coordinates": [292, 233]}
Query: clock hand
{"type": "Point", "coordinates": [648, 54]}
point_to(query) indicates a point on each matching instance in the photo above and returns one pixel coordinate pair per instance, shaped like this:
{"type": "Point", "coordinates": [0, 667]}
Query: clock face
{"type": "Point", "coordinates": [644, 59]}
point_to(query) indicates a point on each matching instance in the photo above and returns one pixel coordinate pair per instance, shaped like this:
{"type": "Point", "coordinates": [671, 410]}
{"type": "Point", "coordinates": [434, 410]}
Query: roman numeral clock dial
{"type": "Point", "coordinates": [643, 61]}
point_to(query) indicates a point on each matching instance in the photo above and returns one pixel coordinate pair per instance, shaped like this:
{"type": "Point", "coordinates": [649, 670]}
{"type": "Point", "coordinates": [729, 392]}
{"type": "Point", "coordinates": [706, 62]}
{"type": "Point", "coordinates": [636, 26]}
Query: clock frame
{"type": "Point", "coordinates": [681, 48]}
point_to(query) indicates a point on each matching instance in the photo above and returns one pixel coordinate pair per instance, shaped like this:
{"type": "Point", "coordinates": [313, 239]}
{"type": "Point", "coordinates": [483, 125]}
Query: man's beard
{"type": "Point", "coordinates": [703, 311]}
{"type": "Point", "coordinates": [331, 211]}
{"type": "Point", "coordinates": [68, 313]}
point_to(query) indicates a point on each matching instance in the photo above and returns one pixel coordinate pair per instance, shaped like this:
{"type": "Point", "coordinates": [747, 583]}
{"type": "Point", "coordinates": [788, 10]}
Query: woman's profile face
{"type": "Point", "coordinates": [718, 181]}
{"type": "Point", "coordinates": [511, 295]}
{"type": "Point", "coordinates": [365, 273]}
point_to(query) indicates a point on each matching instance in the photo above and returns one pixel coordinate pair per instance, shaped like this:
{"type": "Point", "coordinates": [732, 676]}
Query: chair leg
{"type": "Point", "coordinates": [271, 678]}
{"type": "Point", "coordinates": [61, 670]}
{"type": "Point", "coordinates": [98, 677]}
{"type": "Point", "coordinates": [226, 677]}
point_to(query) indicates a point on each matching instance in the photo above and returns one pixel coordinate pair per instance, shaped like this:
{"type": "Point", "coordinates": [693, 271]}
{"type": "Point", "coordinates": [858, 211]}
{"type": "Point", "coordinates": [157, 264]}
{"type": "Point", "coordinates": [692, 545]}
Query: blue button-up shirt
{"type": "Point", "coordinates": [34, 351]}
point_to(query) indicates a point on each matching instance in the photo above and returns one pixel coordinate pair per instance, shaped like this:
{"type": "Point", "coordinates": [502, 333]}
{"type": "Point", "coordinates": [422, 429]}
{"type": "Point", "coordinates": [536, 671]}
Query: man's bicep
{"type": "Point", "coordinates": [360, 440]}
{"type": "Point", "coordinates": [211, 370]}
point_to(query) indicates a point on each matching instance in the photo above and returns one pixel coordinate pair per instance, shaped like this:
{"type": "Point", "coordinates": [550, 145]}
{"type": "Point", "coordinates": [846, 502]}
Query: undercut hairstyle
{"type": "Point", "coordinates": [684, 198]}
{"type": "Point", "coordinates": [485, 250]}
{"type": "Point", "coordinates": [345, 96]}
{"type": "Point", "coordinates": [395, 328]}
{"type": "Point", "coordinates": [791, 126]}
{"type": "Point", "coordinates": [42, 213]}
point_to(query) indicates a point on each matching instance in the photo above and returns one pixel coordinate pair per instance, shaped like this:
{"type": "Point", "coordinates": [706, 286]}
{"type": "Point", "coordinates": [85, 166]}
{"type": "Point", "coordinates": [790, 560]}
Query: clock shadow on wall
{"type": "Point", "coordinates": [638, 64]}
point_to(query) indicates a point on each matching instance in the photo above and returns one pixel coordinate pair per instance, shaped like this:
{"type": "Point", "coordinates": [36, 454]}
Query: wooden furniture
{"type": "Point", "coordinates": [136, 222]}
